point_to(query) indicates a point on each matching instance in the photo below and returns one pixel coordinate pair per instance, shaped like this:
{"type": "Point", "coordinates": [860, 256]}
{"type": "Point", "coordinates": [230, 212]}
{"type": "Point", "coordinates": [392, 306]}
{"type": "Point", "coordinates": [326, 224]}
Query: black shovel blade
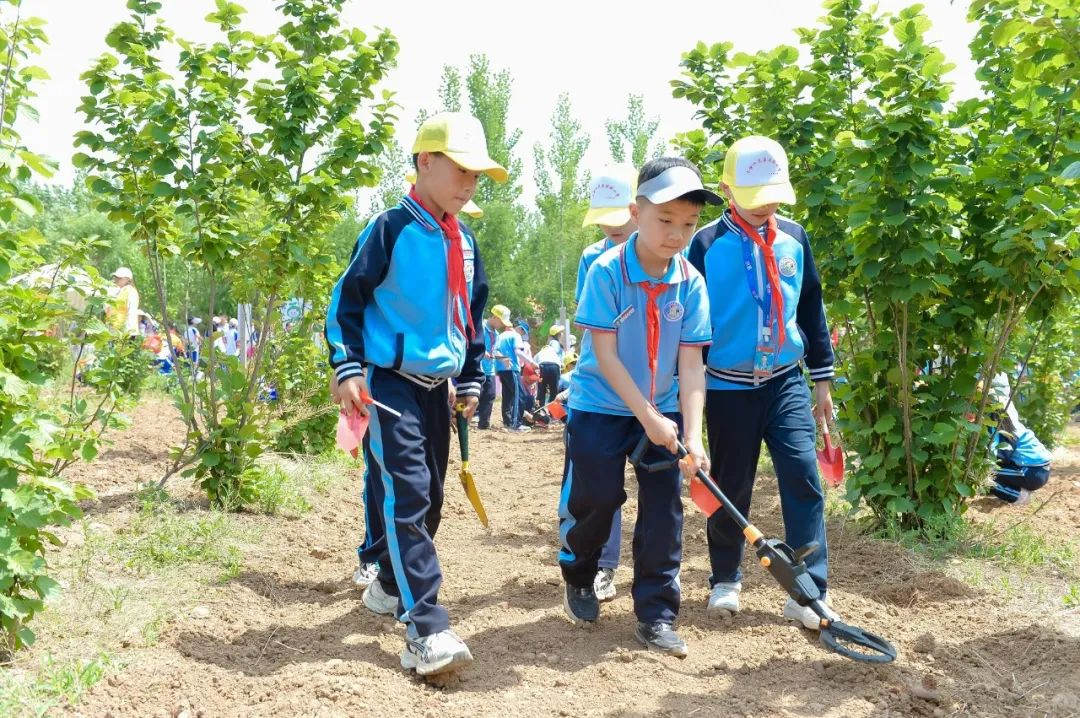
{"type": "Point", "coordinates": [858, 645]}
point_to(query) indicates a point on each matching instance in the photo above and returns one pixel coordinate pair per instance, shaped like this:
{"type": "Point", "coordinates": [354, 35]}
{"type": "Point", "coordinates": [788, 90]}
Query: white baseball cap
{"type": "Point", "coordinates": [676, 182]}
{"type": "Point", "coordinates": [610, 195]}
{"type": "Point", "coordinates": [123, 273]}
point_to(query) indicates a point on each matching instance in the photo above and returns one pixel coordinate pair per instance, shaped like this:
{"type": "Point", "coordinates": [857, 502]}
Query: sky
{"type": "Point", "coordinates": [598, 52]}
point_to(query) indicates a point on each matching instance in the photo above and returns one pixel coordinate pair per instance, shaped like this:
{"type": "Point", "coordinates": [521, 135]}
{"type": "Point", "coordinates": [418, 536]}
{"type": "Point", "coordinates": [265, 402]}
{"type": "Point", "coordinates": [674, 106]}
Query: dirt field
{"type": "Point", "coordinates": [287, 635]}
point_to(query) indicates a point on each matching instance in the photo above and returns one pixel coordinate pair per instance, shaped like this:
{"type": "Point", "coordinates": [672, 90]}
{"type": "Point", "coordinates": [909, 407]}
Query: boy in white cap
{"type": "Point", "coordinates": [768, 319]}
{"type": "Point", "coordinates": [610, 194]}
{"type": "Point", "coordinates": [646, 313]}
{"type": "Point", "coordinates": [403, 320]}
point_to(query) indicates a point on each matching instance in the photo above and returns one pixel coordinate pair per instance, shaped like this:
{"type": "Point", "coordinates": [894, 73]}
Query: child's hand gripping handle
{"type": "Point", "coordinates": [462, 432]}
{"type": "Point", "coordinates": [637, 457]}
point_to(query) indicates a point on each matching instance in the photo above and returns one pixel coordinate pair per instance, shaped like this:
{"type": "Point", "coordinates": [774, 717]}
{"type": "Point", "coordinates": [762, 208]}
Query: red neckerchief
{"type": "Point", "coordinates": [652, 329]}
{"type": "Point", "coordinates": [455, 264]}
{"type": "Point", "coordinates": [771, 270]}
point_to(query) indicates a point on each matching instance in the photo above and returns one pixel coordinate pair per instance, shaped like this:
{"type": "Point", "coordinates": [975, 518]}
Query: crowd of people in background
{"type": "Point", "coordinates": [125, 317]}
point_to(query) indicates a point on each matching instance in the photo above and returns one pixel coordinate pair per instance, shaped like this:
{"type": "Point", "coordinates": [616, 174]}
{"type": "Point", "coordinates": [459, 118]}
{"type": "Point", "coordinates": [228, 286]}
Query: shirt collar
{"type": "Point", "coordinates": [634, 273]}
{"type": "Point", "coordinates": [419, 213]}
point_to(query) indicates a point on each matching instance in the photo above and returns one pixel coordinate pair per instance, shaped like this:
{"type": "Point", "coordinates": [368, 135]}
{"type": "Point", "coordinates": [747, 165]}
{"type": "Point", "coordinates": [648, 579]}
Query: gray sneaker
{"type": "Point", "coordinates": [604, 585]}
{"type": "Point", "coordinates": [661, 636]}
{"type": "Point", "coordinates": [440, 652]}
{"type": "Point", "coordinates": [378, 600]}
{"type": "Point", "coordinates": [365, 574]}
{"type": "Point", "coordinates": [724, 599]}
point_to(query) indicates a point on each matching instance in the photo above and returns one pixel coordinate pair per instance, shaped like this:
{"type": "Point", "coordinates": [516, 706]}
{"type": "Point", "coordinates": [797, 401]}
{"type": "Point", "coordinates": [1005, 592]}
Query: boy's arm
{"type": "Point", "coordinates": [472, 374]}
{"type": "Point", "coordinates": [353, 292]}
{"type": "Point", "coordinates": [523, 355]}
{"type": "Point", "coordinates": [598, 312]}
{"type": "Point", "coordinates": [695, 336]}
{"type": "Point", "coordinates": [810, 316]}
{"type": "Point", "coordinates": [692, 403]}
{"type": "Point", "coordinates": [661, 430]}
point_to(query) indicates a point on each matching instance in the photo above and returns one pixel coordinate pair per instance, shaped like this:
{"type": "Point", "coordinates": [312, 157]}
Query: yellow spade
{"type": "Point", "coordinates": [467, 480]}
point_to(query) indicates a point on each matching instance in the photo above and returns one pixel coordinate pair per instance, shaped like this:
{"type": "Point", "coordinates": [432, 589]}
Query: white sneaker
{"type": "Point", "coordinates": [604, 585]}
{"type": "Point", "coordinates": [365, 574]}
{"type": "Point", "coordinates": [806, 616]}
{"type": "Point", "coordinates": [440, 652]}
{"type": "Point", "coordinates": [724, 599]}
{"type": "Point", "coordinates": [378, 600]}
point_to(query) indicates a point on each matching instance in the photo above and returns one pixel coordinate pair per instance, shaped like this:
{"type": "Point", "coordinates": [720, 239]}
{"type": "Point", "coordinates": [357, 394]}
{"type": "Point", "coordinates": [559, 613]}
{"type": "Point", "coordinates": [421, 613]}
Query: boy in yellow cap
{"type": "Point", "coordinates": [403, 320]}
{"type": "Point", "coordinates": [610, 194]}
{"type": "Point", "coordinates": [493, 326]}
{"type": "Point", "coordinates": [768, 320]}
{"type": "Point", "coordinates": [470, 208]}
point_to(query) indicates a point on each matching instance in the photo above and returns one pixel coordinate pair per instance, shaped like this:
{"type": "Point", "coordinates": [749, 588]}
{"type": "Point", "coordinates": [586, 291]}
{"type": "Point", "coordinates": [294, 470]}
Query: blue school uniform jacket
{"type": "Point", "coordinates": [717, 252]}
{"type": "Point", "coordinates": [393, 308]}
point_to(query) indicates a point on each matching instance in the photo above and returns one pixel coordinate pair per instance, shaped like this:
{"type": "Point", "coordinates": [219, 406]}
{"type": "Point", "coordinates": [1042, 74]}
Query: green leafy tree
{"type": "Point", "coordinates": [911, 205]}
{"type": "Point", "coordinates": [558, 239]}
{"type": "Point", "coordinates": [47, 422]}
{"type": "Point", "coordinates": [635, 132]}
{"type": "Point", "coordinates": [242, 166]}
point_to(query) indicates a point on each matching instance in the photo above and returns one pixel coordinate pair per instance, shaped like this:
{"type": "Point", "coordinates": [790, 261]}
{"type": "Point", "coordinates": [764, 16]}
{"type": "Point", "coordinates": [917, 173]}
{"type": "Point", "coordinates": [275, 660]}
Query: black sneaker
{"type": "Point", "coordinates": [661, 637]}
{"type": "Point", "coordinates": [581, 604]}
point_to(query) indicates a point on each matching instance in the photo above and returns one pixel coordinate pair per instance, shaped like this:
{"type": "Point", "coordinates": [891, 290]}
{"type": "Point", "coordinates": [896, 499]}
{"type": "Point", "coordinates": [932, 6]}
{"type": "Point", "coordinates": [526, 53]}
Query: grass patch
{"type": "Point", "coordinates": [317, 475]}
{"type": "Point", "coordinates": [161, 536]}
{"type": "Point", "coordinates": [765, 464]}
{"type": "Point", "coordinates": [1018, 547]}
{"type": "Point", "coordinates": [1072, 596]}
{"type": "Point", "coordinates": [52, 684]}
{"type": "Point", "coordinates": [276, 491]}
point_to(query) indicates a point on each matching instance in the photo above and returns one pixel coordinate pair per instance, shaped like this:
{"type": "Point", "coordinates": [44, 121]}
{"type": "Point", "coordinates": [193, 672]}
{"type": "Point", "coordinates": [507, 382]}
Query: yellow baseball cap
{"type": "Point", "coordinates": [502, 312]}
{"type": "Point", "coordinates": [460, 137]}
{"type": "Point", "coordinates": [610, 195]}
{"type": "Point", "coordinates": [756, 170]}
{"type": "Point", "coordinates": [471, 208]}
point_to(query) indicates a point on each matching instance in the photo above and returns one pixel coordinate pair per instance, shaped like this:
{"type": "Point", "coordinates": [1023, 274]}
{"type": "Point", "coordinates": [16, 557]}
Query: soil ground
{"type": "Point", "coordinates": [285, 634]}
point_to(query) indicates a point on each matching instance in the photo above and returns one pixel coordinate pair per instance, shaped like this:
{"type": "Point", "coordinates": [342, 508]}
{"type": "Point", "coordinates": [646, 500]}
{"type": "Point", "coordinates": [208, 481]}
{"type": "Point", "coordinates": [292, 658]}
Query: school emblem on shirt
{"type": "Point", "coordinates": [469, 253]}
{"type": "Point", "coordinates": [787, 266]}
{"type": "Point", "coordinates": [673, 311]}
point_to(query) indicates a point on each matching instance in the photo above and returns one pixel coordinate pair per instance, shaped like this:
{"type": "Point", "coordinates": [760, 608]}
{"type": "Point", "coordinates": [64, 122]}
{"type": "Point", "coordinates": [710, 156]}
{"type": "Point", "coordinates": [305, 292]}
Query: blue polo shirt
{"type": "Point", "coordinates": [590, 255]}
{"type": "Point", "coordinates": [487, 364]}
{"type": "Point", "coordinates": [508, 344]}
{"type": "Point", "coordinates": [613, 300]}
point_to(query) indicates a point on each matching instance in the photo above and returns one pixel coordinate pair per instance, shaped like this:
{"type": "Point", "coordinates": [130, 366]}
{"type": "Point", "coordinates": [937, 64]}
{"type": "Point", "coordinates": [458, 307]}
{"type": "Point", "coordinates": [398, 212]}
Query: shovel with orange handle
{"type": "Point", "coordinates": [787, 565]}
